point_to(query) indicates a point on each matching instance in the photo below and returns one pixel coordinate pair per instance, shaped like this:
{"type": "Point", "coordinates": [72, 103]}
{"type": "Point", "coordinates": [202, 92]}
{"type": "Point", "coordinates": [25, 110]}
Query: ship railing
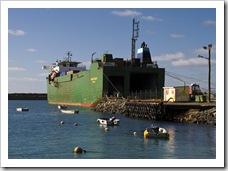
{"type": "Point", "coordinates": [146, 94]}
{"type": "Point", "coordinates": [137, 95]}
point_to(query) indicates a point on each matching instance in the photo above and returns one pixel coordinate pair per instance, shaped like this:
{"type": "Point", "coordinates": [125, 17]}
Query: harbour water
{"type": "Point", "coordinates": [38, 134]}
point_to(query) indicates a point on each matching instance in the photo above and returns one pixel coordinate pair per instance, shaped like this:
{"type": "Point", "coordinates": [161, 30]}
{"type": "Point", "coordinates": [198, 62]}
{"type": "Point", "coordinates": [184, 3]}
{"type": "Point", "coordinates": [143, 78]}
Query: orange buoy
{"type": "Point", "coordinates": [78, 150]}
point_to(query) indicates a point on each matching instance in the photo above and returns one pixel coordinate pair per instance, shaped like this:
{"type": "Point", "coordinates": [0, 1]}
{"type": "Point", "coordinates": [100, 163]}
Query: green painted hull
{"type": "Point", "coordinates": [80, 89]}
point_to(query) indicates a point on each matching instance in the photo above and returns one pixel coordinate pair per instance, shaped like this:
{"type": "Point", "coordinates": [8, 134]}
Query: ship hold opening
{"type": "Point", "coordinates": [116, 84]}
{"type": "Point", "coordinates": [143, 81]}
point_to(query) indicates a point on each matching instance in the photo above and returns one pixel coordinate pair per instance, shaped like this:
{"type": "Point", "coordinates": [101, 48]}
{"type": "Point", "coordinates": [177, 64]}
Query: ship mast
{"type": "Point", "coordinates": [69, 54]}
{"type": "Point", "coordinates": [133, 39]}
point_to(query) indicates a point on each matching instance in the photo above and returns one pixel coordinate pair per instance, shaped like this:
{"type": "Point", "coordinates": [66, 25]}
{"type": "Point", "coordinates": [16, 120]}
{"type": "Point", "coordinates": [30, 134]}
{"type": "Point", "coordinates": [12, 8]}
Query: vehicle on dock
{"type": "Point", "coordinates": [194, 90]}
{"type": "Point", "coordinates": [155, 132]}
{"type": "Point", "coordinates": [65, 111]}
{"type": "Point", "coordinates": [19, 109]}
{"type": "Point", "coordinates": [109, 121]}
{"type": "Point", "coordinates": [182, 93]}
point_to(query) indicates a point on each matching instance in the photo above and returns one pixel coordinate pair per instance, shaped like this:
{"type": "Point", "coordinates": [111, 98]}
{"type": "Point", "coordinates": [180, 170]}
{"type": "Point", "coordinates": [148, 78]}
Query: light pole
{"type": "Point", "coordinates": [208, 47]}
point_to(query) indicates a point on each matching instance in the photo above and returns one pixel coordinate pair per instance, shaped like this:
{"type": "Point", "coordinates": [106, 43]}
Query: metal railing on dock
{"type": "Point", "coordinates": [146, 94]}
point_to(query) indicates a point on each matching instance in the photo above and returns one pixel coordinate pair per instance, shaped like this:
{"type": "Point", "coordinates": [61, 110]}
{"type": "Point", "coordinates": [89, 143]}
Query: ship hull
{"type": "Point", "coordinates": [71, 84]}
{"type": "Point", "coordinates": [86, 88]}
{"type": "Point", "coordinates": [79, 89]}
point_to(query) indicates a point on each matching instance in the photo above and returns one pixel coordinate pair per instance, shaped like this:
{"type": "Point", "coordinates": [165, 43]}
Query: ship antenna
{"type": "Point", "coordinates": [133, 39]}
{"type": "Point", "coordinates": [69, 54]}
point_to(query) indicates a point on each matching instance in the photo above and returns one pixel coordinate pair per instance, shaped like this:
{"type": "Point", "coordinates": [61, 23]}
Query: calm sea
{"type": "Point", "coordinates": [38, 134]}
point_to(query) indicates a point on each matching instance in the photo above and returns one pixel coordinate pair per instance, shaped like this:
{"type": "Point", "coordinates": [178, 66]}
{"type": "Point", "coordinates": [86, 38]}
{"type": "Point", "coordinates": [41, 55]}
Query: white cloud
{"type": "Point", "coordinates": [209, 22]}
{"type": "Point", "coordinates": [31, 50]}
{"type": "Point", "coordinates": [16, 32]}
{"type": "Point", "coordinates": [177, 36]}
{"type": "Point", "coordinates": [16, 69]}
{"type": "Point", "coordinates": [189, 62]}
{"type": "Point", "coordinates": [126, 13]}
{"type": "Point", "coordinates": [178, 59]}
{"type": "Point", "coordinates": [151, 18]}
{"type": "Point", "coordinates": [168, 57]}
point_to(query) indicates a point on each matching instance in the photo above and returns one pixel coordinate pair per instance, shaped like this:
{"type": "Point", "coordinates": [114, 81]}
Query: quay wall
{"type": "Point", "coordinates": [158, 111]}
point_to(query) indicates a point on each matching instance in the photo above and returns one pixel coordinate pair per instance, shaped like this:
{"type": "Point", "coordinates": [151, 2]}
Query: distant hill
{"type": "Point", "coordinates": [27, 96]}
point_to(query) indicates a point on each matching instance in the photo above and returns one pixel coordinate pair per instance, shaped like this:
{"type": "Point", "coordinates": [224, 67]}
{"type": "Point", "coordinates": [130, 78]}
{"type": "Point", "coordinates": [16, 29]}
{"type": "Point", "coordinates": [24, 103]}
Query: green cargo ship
{"type": "Point", "coordinates": [71, 84]}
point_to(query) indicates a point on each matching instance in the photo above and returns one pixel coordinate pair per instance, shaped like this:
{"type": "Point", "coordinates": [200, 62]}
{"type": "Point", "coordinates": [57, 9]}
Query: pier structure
{"type": "Point", "coordinates": [160, 110]}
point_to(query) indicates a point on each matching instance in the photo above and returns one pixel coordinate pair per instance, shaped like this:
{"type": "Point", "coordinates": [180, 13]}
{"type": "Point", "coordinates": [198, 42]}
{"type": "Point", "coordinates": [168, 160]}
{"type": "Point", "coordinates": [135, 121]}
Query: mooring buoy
{"type": "Point", "coordinates": [106, 129]}
{"type": "Point", "coordinates": [78, 150]}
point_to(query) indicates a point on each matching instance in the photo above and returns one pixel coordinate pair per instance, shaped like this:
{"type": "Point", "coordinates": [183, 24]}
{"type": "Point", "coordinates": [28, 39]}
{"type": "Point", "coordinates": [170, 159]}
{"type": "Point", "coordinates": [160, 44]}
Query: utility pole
{"type": "Point", "coordinates": [208, 47]}
{"type": "Point", "coordinates": [209, 70]}
{"type": "Point", "coordinates": [133, 40]}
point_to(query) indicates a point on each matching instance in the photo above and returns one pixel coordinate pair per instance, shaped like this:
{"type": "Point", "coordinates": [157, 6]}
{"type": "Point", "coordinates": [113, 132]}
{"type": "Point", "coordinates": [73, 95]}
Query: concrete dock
{"type": "Point", "coordinates": [190, 105]}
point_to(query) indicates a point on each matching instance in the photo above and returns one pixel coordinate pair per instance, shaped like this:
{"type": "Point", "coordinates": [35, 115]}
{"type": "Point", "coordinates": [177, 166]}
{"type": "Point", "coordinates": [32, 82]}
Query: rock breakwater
{"type": "Point", "coordinates": [198, 116]}
{"type": "Point", "coordinates": [116, 106]}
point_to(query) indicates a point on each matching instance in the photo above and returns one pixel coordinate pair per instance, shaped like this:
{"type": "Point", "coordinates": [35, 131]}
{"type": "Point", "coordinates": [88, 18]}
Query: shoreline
{"type": "Point", "coordinates": [27, 96]}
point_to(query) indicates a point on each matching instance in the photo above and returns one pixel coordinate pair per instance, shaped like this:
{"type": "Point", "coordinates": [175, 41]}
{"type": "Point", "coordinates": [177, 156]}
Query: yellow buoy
{"type": "Point", "coordinates": [106, 129]}
{"type": "Point", "coordinates": [145, 133]}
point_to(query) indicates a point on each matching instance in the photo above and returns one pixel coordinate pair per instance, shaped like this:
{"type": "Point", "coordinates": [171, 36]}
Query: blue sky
{"type": "Point", "coordinates": [175, 36]}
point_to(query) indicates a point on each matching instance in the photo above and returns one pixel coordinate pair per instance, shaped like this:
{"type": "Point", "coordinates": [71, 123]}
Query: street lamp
{"type": "Point", "coordinates": [92, 57]}
{"type": "Point", "coordinates": [208, 47]}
